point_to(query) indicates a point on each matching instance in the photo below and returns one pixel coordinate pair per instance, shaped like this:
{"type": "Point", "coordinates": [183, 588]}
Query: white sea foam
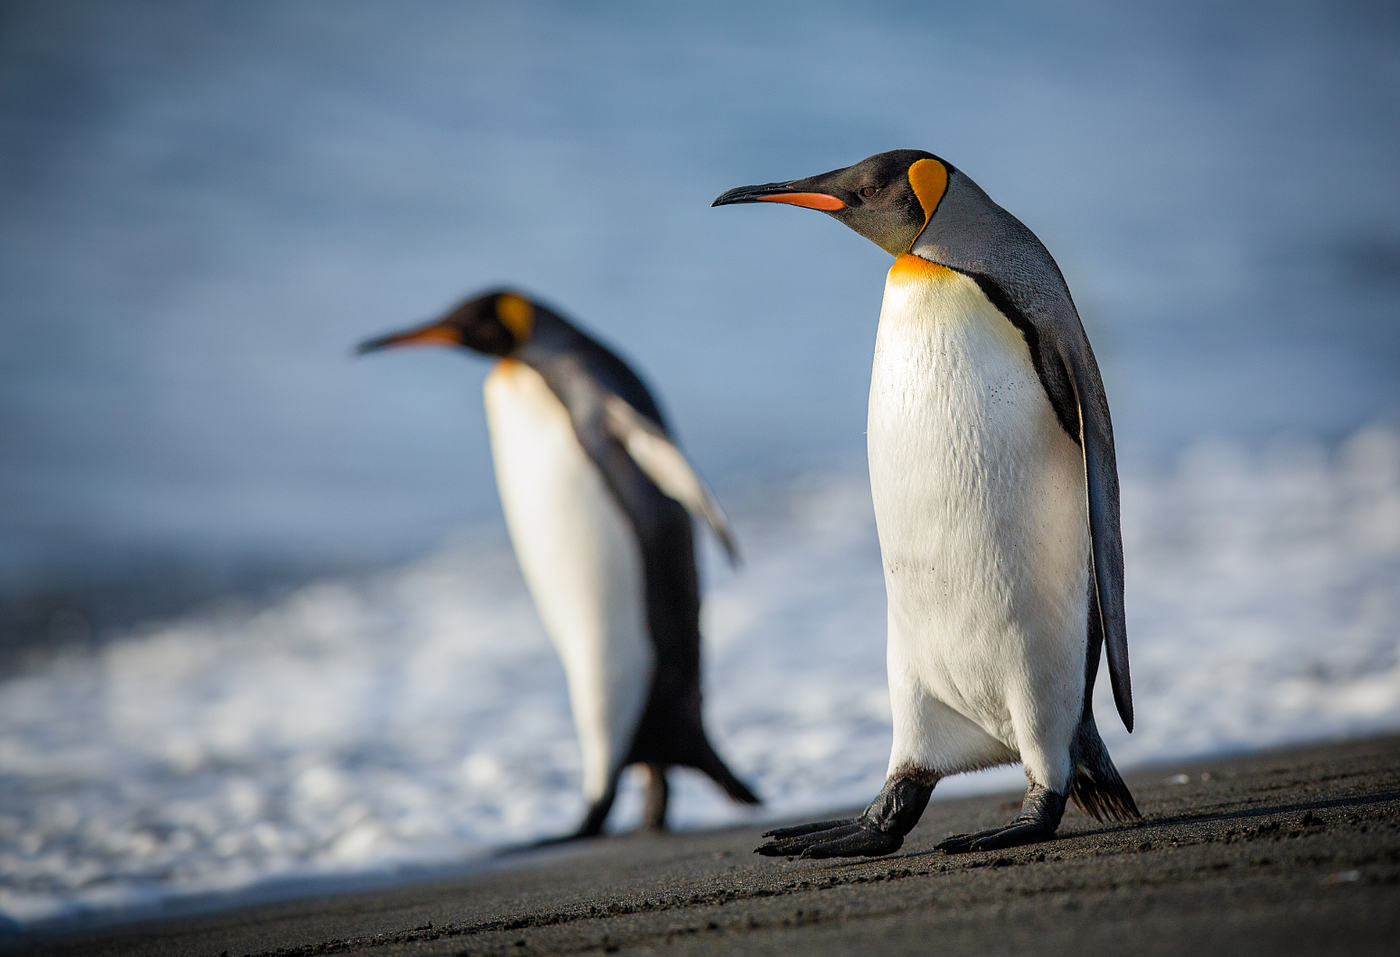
{"type": "Point", "coordinates": [421, 716]}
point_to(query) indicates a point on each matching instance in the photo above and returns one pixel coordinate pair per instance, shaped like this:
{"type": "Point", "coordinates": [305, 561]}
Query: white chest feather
{"type": "Point", "coordinates": [581, 560]}
{"type": "Point", "coordinates": [979, 500]}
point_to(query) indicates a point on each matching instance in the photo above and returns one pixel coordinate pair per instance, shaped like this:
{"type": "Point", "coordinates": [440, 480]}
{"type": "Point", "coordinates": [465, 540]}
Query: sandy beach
{"type": "Point", "coordinates": [1292, 852]}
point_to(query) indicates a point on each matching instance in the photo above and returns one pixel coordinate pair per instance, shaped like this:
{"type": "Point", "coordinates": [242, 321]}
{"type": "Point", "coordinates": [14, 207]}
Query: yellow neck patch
{"type": "Point", "coordinates": [929, 178]}
{"type": "Point", "coordinates": [517, 314]}
{"type": "Point", "coordinates": [911, 268]}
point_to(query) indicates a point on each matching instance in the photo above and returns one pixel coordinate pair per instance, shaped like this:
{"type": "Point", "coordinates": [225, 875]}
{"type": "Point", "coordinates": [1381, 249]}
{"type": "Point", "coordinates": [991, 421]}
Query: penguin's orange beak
{"type": "Point", "coordinates": [433, 334]}
{"type": "Point", "coordinates": [789, 193]}
{"type": "Point", "coordinates": [821, 201]}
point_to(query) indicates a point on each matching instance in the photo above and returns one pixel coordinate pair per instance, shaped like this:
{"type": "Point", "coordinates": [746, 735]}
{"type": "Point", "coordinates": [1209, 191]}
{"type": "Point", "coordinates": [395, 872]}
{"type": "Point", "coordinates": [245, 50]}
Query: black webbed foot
{"type": "Point", "coordinates": [853, 837]}
{"type": "Point", "coordinates": [880, 830]}
{"type": "Point", "coordinates": [1013, 835]}
{"type": "Point", "coordinates": [1039, 819]}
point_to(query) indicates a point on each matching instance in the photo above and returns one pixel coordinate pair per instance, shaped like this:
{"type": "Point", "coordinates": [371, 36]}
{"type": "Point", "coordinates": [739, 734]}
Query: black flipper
{"type": "Point", "coordinates": [1039, 819]}
{"type": "Point", "coordinates": [1070, 376]}
{"type": "Point", "coordinates": [656, 455]}
{"type": "Point", "coordinates": [880, 830]}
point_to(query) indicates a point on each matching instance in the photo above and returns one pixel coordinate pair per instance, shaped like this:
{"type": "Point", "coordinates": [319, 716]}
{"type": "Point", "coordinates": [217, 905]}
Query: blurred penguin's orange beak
{"type": "Point", "coordinates": [434, 334]}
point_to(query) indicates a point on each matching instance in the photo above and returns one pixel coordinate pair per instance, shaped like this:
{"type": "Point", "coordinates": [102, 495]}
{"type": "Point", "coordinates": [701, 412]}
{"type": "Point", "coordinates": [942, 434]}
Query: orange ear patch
{"type": "Point", "coordinates": [827, 204]}
{"type": "Point", "coordinates": [517, 314]}
{"type": "Point", "coordinates": [929, 178]}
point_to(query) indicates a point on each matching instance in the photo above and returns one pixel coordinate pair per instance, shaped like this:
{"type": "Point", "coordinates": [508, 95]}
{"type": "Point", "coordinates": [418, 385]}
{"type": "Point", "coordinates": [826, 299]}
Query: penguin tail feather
{"type": "Point", "coordinates": [1098, 790]}
{"type": "Point", "coordinates": [711, 764]}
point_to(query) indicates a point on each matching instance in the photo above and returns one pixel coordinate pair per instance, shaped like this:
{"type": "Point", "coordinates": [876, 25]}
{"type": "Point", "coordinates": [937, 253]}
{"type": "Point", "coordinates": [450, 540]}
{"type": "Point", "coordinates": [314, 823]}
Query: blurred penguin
{"type": "Point", "coordinates": [598, 499]}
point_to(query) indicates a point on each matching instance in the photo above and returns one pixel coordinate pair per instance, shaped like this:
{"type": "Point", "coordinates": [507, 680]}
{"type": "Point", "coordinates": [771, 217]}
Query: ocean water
{"type": "Point", "coordinates": [202, 210]}
{"type": "Point", "coordinates": [419, 716]}
{"type": "Point", "coordinates": [260, 622]}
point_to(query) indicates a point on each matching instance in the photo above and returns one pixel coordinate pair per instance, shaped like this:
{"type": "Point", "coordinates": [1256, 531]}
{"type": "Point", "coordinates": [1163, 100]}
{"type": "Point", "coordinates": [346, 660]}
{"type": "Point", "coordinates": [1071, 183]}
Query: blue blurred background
{"type": "Point", "coordinates": [204, 206]}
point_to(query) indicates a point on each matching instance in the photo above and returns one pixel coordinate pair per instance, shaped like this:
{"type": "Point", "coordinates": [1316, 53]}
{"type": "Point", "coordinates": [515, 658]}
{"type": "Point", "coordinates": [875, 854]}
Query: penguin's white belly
{"type": "Point", "coordinates": [581, 560]}
{"type": "Point", "coordinates": [980, 504]}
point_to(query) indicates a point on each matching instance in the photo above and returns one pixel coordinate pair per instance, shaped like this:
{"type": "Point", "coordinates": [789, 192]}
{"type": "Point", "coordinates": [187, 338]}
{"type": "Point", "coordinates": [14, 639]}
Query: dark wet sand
{"type": "Point", "coordinates": [1291, 852]}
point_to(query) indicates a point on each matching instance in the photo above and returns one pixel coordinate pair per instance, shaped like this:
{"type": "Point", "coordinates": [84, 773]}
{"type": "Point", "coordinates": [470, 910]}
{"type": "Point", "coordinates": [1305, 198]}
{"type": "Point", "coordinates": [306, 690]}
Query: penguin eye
{"type": "Point", "coordinates": [868, 191]}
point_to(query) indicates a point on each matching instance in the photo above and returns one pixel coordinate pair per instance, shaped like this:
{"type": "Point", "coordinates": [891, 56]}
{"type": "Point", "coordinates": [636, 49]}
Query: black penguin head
{"type": "Point", "coordinates": [888, 198]}
{"type": "Point", "coordinates": [496, 323]}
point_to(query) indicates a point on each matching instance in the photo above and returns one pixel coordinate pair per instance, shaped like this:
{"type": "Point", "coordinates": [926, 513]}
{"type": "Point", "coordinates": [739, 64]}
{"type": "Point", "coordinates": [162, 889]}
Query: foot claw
{"type": "Point", "coordinates": [801, 829]}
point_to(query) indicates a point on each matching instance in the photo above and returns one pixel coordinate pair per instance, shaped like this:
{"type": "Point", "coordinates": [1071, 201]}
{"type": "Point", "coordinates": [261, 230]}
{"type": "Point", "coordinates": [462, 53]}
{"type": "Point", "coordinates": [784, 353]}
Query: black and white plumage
{"type": "Point", "coordinates": [598, 499]}
{"type": "Point", "coordinates": [996, 498]}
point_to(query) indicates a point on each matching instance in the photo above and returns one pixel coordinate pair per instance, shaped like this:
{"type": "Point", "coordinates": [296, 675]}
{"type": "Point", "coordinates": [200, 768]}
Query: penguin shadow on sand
{"type": "Point", "coordinates": [598, 502]}
{"type": "Point", "coordinates": [995, 486]}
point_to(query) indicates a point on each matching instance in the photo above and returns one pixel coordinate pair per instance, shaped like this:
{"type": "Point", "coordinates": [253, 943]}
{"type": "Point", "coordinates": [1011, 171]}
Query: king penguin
{"type": "Point", "coordinates": [995, 488]}
{"type": "Point", "coordinates": [597, 499]}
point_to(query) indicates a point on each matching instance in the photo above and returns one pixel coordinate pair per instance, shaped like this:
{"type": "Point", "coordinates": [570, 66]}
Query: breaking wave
{"type": "Point", "coordinates": [420, 717]}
